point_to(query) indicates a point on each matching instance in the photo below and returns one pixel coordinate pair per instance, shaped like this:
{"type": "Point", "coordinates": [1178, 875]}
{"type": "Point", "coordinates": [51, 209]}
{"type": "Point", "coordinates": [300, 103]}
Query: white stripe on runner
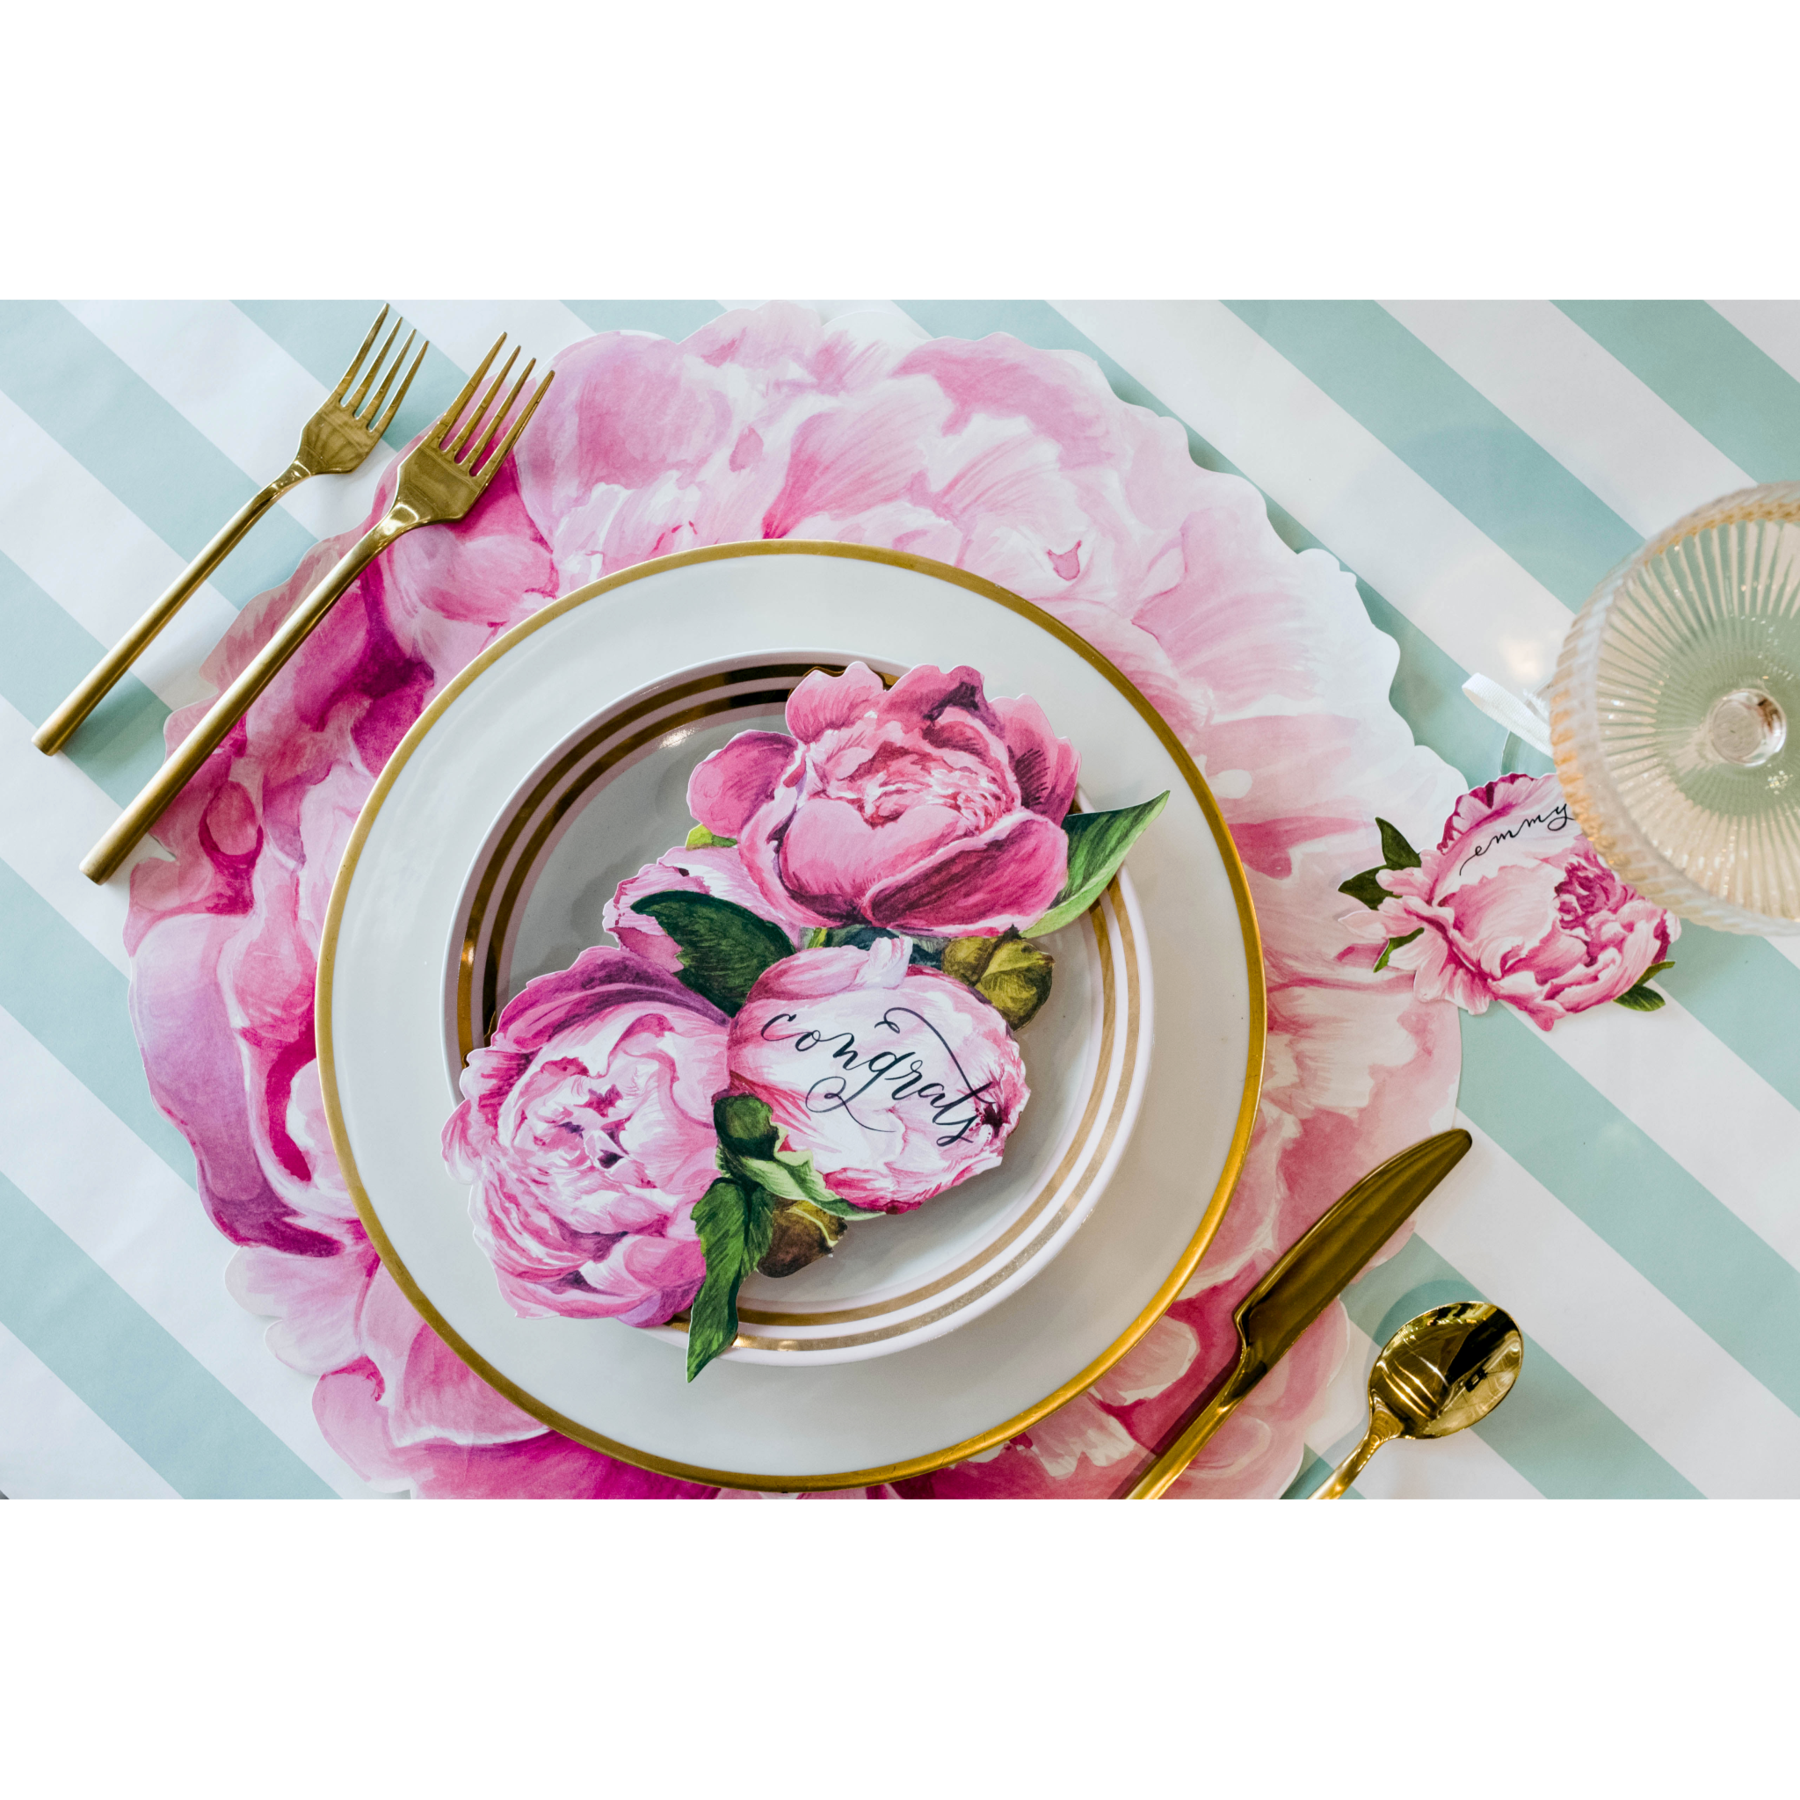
{"type": "Point", "coordinates": [1773, 326]}
{"type": "Point", "coordinates": [1338, 479]}
{"type": "Point", "coordinates": [1676, 1082]}
{"type": "Point", "coordinates": [54, 1446]}
{"type": "Point", "coordinates": [1617, 436]}
{"type": "Point", "coordinates": [465, 329]}
{"type": "Point", "coordinates": [234, 384]}
{"type": "Point", "coordinates": [98, 560]}
{"type": "Point", "coordinates": [831, 311]}
{"type": "Point", "coordinates": [1460, 1467]}
{"type": "Point", "coordinates": [128, 1211]}
{"type": "Point", "coordinates": [1629, 1345]}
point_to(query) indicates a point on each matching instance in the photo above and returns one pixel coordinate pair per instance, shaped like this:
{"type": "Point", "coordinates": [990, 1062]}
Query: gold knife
{"type": "Point", "coordinates": [1271, 1317]}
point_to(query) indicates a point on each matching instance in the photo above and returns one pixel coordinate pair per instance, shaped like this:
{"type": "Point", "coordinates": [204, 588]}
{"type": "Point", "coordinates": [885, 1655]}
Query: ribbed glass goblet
{"type": "Point", "coordinates": [1675, 714]}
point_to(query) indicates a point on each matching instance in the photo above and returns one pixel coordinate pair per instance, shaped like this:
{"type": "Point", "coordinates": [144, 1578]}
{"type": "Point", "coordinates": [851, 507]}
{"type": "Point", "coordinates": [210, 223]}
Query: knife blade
{"type": "Point", "coordinates": [1320, 1265]}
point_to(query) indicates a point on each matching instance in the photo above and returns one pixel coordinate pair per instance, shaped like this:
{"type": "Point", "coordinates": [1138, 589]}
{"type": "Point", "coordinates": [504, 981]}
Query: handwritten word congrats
{"type": "Point", "coordinates": [891, 1073]}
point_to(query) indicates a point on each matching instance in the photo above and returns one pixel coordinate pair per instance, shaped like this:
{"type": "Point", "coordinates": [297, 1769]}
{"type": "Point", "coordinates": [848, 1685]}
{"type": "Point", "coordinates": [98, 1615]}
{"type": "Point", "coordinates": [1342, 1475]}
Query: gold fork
{"type": "Point", "coordinates": [336, 440]}
{"type": "Point", "coordinates": [438, 480]}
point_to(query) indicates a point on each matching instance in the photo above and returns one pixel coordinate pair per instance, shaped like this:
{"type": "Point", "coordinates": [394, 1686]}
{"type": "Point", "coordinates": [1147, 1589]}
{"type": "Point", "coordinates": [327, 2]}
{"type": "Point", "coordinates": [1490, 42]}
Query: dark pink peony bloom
{"type": "Point", "coordinates": [1514, 904]}
{"type": "Point", "coordinates": [899, 1081]}
{"type": "Point", "coordinates": [586, 1131]}
{"type": "Point", "coordinates": [925, 807]}
{"type": "Point", "coordinates": [714, 871]}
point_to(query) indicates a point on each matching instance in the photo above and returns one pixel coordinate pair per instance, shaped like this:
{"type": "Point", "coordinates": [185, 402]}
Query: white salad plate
{"type": "Point", "coordinates": [555, 766]}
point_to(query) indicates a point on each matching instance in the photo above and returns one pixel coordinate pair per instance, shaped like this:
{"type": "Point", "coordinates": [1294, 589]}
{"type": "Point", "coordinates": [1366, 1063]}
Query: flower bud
{"type": "Point", "coordinates": [803, 1233]}
{"type": "Point", "coordinates": [1011, 974]}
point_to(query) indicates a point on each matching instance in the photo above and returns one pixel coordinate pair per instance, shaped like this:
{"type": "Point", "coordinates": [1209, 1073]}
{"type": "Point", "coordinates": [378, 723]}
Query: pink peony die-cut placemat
{"type": "Point", "coordinates": [1018, 464]}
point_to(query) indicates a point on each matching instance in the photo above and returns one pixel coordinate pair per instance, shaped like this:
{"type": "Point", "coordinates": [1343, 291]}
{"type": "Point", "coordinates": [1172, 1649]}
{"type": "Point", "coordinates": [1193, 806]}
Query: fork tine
{"type": "Point", "coordinates": [519, 424]}
{"type": "Point", "coordinates": [499, 418]}
{"type": "Point", "coordinates": [387, 381]}
{"type": "Point", "coordinates": [387, 418]}
{"type": "Point", "coordinates": [487, 400]}
{"type": "Point", "coordinates": [338, 392]}
{"type": "Point", "coordinates": [356, 399]}
{"type": "Point", "coordinates": [440, 432]}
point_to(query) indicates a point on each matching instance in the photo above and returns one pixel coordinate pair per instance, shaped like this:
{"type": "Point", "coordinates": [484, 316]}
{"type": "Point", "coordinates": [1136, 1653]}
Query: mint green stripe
{"type": "Point", "coordinates": [1743, 990]}
{"type": "Point", "coordinates": [120, 745]}
{"type": "Point", "coordinates": [135, 443]}
{"type": "Point", "coordinates": [1740, 399]}
{"type": "Point", "coordinates": [1668, 1226]}
{"type": "Point", "coordinates": [1734, 986]}
{"type": "Point", "coordinates": [73, 1001]}
{"type": "Point", "coordinates": [322, 336]}
{"type": "Point", "coordinates": [181, 1419]}
{"type": "Point", "coordinates": [1427, 687]}
{"type": "Point", "coordinates": [675, 319]}
{"type": "Point", "coordinates": [1551, 1429]}
{"type": "Point", "coordinates": [1496, 476]}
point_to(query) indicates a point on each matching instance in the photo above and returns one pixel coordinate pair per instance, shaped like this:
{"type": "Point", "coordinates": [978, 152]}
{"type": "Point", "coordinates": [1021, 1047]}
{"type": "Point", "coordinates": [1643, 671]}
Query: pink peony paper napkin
{"type": "Point", "coordinates": [1016, 463]}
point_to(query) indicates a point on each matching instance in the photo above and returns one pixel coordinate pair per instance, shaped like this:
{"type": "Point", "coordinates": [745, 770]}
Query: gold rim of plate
{"type": "Point", "coordinates": [1253, 1065]}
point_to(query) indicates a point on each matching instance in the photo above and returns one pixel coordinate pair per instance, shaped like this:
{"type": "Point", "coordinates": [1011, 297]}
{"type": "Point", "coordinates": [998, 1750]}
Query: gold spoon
{"type": "Point", "coordinates": [1439, 1372]}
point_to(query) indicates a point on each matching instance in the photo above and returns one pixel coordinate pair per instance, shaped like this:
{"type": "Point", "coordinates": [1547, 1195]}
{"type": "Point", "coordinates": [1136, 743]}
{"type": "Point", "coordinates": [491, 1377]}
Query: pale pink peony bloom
{"type": "Point", "coordinates": [715, 871]}
{"type": "Point", "coordinates": [899, 1081]}
{"type": "Point", "coordinates": [586, 1132]}
{"type": "Point", "coordinates": [925, 807]}
{"type": "Point", "coordinates": [1515, 904]}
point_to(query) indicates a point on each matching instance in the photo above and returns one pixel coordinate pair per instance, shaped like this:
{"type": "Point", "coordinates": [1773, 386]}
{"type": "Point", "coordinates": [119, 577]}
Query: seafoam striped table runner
{"type": "Point", "coordinates": [1634, 1194]}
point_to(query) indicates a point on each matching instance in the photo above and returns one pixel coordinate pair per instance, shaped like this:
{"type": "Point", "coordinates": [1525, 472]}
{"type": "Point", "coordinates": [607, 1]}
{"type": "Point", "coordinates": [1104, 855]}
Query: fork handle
{"type": "Point", "coordinates": [107, 856]}
{"type": "Point", "coordinates": [60, 726]}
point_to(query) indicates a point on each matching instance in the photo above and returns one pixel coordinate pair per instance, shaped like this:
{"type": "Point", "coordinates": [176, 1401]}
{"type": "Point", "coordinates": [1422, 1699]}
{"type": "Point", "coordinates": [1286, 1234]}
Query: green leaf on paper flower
{"type": "Point", "coordinates": [815, 939]}
{"type": "Point", "coordinates": [702, 839]}
{"type": "Point", "coordinates": [1098, 843]}
{"type": "Point", "coordinates": [1643, 997]}
{"type": "Point", "coordinates": [745, 1125]}
{"type": "Point", "coordinates": [1396, 852]}
{"type": "Point", "coordinates": [749, 1143]}
{"type": "Point", "coordinates": [1364, 887]}
{"type": "Point", "coordinates": [724, 947]}
{"type": "Point", "coordinates": [736, 1226]}
{"type": "Point", "coordinates": [1392, 945]}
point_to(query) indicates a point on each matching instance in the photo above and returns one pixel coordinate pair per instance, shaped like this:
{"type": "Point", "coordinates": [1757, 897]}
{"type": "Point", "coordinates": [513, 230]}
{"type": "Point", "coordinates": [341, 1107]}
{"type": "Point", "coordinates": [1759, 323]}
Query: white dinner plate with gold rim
{"type": "Point", "coordinates": [612, 798]}
{"type": "Point", "coordinates": [407, 890]}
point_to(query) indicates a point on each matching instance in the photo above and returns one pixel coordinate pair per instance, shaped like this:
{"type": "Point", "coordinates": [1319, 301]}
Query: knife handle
{"type": "Point", "coordinates": [1161, 1473]}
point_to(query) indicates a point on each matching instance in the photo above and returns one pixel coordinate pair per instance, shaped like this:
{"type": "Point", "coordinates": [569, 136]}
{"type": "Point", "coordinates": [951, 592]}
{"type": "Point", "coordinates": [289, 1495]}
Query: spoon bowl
{"type": "Point", "coordinates": [1439, 1373]}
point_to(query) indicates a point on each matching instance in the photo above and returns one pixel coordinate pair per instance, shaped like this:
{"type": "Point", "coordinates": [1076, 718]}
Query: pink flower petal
{"type": "Point", "coordinates": [981, 886]}
{"type": "Point", "coordinates": [733, 782]}
{"type": "Point", "coordinates": [823, 703]}
{"type": "Point", "coordinates": [1046, 767]}
{"type": "Point", "coordinates": [831, 857]}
